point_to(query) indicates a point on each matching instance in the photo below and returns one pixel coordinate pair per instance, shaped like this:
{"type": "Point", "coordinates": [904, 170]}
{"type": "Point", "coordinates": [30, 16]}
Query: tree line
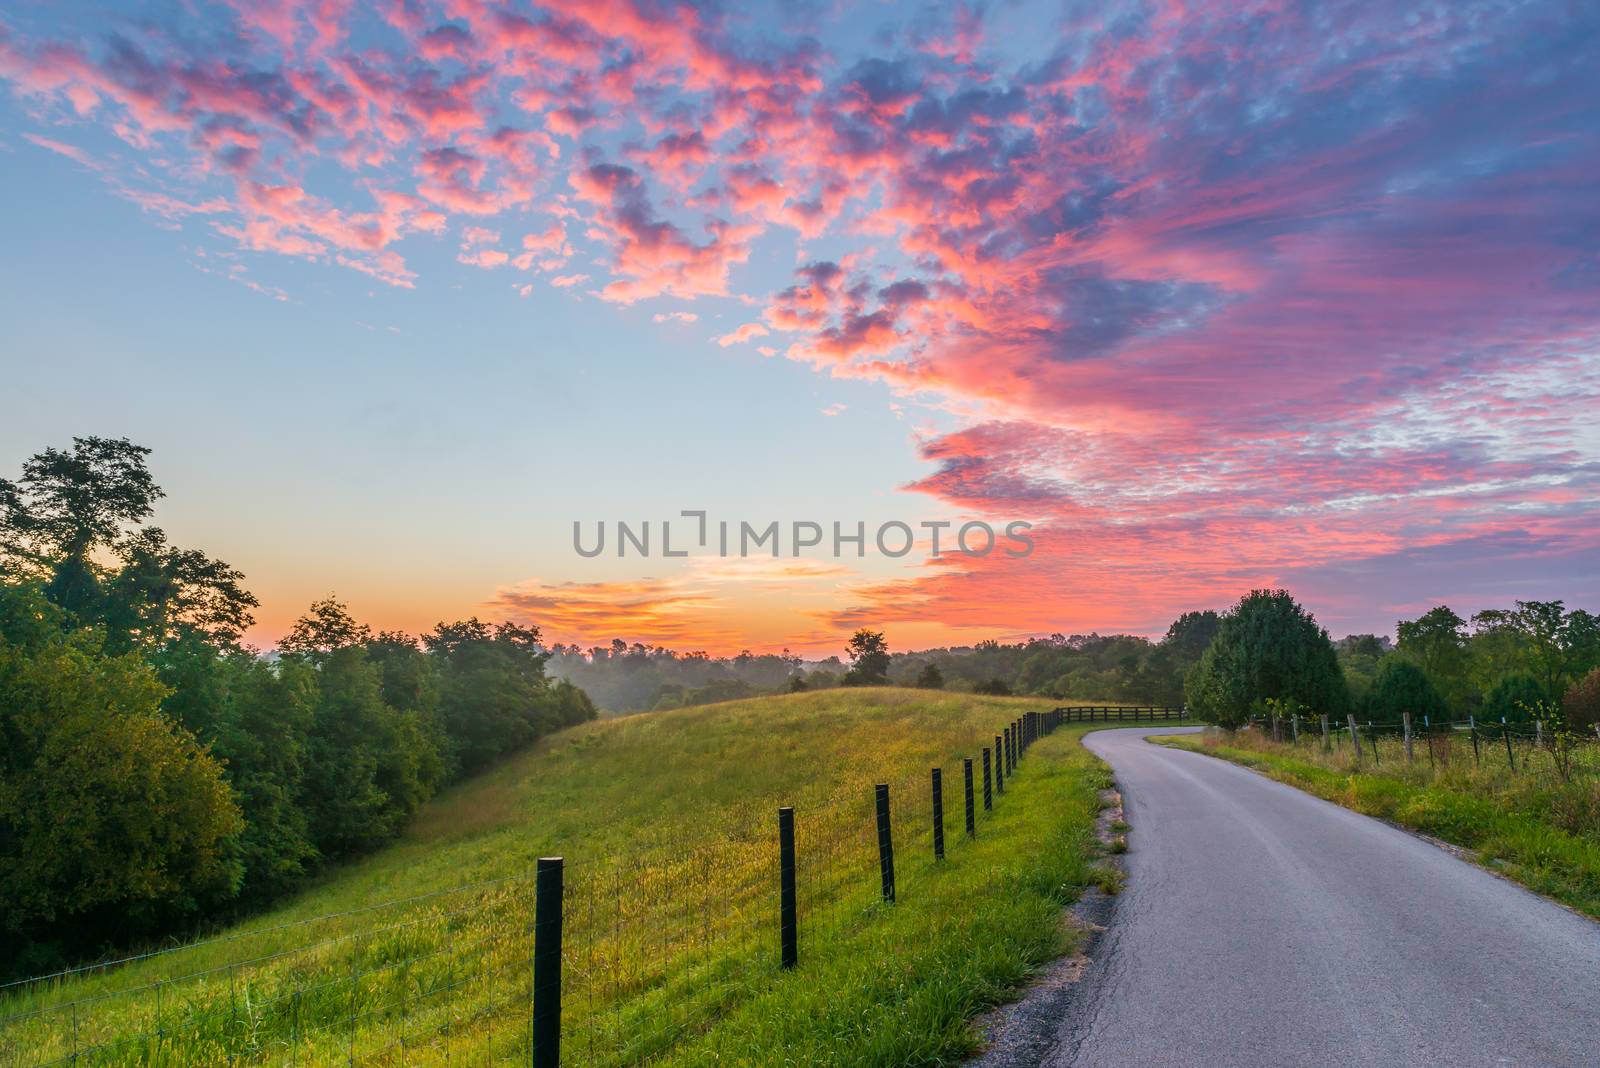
{"type": "Point", "coordinates": [1536, 660]}
{"type": "Point", "coordinates": [155, 771]}
{"type": "Point", "coordinates": [1091, 667]}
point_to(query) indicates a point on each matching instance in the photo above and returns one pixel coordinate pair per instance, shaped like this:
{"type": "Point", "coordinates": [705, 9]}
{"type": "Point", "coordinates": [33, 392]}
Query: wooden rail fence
{"type": "Point", "coordinates": [1123, 714]}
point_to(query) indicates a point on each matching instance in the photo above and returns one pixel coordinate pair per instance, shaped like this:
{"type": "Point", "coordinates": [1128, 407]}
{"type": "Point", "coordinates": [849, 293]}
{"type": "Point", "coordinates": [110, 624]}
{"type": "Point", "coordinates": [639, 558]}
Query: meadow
{"type": "Point", "coordinates": [1521, 813]}
{"type": "Point", "coordinates": [419, 954]}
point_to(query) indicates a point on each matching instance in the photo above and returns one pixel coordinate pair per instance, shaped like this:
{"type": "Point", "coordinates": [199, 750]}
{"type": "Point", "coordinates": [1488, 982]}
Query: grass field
{"type": "Point", "coordinates": [1531, 824]}
{"type": "Point", "coordinates": [668, 826]}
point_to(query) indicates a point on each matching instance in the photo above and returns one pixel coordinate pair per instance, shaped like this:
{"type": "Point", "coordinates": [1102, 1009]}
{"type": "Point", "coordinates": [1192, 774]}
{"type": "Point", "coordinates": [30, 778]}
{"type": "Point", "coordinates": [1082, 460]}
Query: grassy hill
{"type": "Point", "coordinates": [420, 954]}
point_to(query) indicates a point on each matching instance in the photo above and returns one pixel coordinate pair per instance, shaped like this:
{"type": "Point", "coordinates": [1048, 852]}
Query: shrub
{"type": "Point", "coordinates": [1400, 687]}
{"type": "Point", "coordinates": [1581, 705]}
{"type": "Point", "coordinates": [1514, 698]}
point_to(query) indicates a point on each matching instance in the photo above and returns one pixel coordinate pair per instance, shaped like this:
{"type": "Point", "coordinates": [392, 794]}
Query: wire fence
{"type": "Point", "coordinates": [641, 953]}
{"type": "Point", "coordinates": [1423, 747]}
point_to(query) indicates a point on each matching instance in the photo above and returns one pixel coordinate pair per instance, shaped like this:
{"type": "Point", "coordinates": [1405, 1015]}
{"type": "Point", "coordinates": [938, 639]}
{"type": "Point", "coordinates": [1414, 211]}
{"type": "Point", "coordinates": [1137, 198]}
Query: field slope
{"type": "Point", "coordinates": [419, 954]}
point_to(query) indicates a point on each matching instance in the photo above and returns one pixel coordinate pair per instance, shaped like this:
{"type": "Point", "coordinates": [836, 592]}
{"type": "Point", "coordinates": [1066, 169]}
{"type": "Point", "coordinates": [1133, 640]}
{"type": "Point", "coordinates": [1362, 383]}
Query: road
{"type": "Point", "coordinates": [1262, 926]}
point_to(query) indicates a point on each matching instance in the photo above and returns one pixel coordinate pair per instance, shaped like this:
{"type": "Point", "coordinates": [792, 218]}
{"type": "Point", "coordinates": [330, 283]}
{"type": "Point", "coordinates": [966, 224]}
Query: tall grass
{"type": "Point", "coordinates": [1521, 814]}
{"type": "Point", "coordinates": [668, 826]}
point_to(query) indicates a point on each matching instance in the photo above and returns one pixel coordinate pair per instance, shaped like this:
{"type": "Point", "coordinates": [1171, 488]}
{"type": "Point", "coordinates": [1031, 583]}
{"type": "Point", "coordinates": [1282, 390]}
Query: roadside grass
{"type": "Point", "coordinates": [420, 954]}
{"type": "Point", "coordinates": [1532, 826]}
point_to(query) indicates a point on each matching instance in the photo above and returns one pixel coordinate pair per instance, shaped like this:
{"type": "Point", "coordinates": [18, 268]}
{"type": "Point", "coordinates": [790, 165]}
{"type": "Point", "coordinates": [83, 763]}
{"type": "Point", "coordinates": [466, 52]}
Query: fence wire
{"type": "Point", "coordinates": [657, 946]}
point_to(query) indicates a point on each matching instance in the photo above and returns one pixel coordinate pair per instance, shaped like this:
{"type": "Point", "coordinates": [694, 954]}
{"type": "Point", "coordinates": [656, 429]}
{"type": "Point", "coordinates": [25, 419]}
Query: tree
{"type": "Point", "coordinates": [67, 504]}
{"type": "Point", "coordinates": [1539, 639]}
{"type": "Point", "coordinates": [797, 683]}
{"type": "Point", "coordinates": [930, 677]}
{"type": "Point", "coordinates": [869, 659]}
{"type": "Point", "coordinates": [1190, 633]}
{"type": "Point", "coordinates": [992, 688]}
{"type": "Point", "coordinates": [326, 626]}
{"type": "Point", "coordinates": [1436, 641]}
{"type": "Point", "coordinates": [1515, 698]}
{"type": "Point", "coordinates": [1581, 704]}
{"type": "Point", "coordinates": [112, 818]}
{"type": "Point", "coordinates": [1267, 646]}
{"type": "Point", "coordinates": [162, 591]}
{"type": "Point", "coordinates": [1400, 687]}
{"type": "Point", "coordinates": [1359, 657]}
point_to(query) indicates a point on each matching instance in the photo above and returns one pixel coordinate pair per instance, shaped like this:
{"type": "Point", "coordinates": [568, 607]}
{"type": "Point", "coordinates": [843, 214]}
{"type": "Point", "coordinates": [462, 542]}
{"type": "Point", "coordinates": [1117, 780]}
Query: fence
{"type": "Point", "coordinates": [1119, 714]}
{"type": "Point", "coordinates": [1418, 743]}
{"type": "Point", "coordinates": [615, 962]}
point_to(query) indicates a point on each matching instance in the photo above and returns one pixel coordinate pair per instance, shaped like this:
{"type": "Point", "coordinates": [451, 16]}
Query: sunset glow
{"type": "Point", "coordinates": [1217, 297]}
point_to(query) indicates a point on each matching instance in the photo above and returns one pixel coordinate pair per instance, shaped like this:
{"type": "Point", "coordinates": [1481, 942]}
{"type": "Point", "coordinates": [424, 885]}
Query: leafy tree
{"type": "Point", "coordinates": [161, 591]}
{"type": "Point", "coordinates": [1437, 642]}
{"type": "Point", "coordinates": [797, 683]}
{"type": "Point", "coordinates": [326, 627]}
{"type": "Point", "coordinates": [493, 695]}
{"type": "Point", "coordinates": [930, 677]}
{"type": "Point", "coordinates": [1539, 639]}
{"type": "Point", "coordinates": [1267, 646]}
{"type": "Point", "coordinates": [1400, 687]}
{"type": "Point", "coordinates": [258, 724]}
{"type": "Point", "coordinates": [1190, 633]}
{"type": "Point", "coordinates": [67, 504]}
{"type": "Point", "coordinates": [1359, 656]}
{"type": "Point", "coordinates": [112, 818]}
{"type": "Point", "coordinates": [869, 659]}
{"type": "Point", "coordinates": [1515, 698]}
{"type": "Point", "coordinates": [993, 688]}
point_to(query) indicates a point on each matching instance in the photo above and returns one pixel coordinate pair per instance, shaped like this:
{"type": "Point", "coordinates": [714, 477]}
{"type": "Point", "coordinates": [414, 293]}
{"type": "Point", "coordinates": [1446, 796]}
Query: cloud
{"type": "Point", "coordinates": [1323, 280]}
{"type": "Point", "coordinates": [675, 317]}
{"type": "Point", "coordinates": [740, 335]}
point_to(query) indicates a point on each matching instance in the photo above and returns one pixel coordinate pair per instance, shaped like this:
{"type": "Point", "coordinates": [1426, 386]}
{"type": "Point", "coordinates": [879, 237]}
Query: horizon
{"type": "Point", "coordinates": [1216, 301]}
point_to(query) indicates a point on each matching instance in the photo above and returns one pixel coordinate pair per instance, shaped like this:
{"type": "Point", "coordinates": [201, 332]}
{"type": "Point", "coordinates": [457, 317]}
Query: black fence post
{"type": "Point", "coordinates": [938, 814]}
{"type": "Point", "coordinates": [788, 921]}
{"type": "Point", "coordinates": [547, 963]}
{"type": "Point", "coordinates": [972, 817]}
{"type": "Point", "coordinates": [999, 765]}
{"type": "Point", "coordinates": [885, 842]}
{"type": "Point", "coordinates": [1505, 732]}
{"type": "Point", "coordinates": [988, 800]}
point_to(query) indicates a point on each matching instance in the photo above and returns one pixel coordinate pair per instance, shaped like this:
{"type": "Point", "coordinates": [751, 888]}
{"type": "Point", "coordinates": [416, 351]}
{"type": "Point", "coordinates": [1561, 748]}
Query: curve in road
{"type": "Point", "coordinates": [1261, 926]}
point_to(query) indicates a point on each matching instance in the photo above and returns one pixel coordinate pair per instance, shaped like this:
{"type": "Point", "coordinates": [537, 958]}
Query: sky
{"type": "Point", "coordinates": [1216, 297]}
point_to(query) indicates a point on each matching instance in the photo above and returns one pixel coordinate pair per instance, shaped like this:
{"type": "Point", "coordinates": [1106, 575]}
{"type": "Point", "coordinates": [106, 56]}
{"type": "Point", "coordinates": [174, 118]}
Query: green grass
{"type": "Point", "coordinates": [668, 826]}
{"type": "Point", "coordinates": [1530, 825]}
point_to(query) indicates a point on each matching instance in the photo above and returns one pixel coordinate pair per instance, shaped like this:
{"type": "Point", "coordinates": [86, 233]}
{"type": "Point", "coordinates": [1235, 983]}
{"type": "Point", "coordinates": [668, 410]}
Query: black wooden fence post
{"type": "Point", "coordinates": [972, 817]}
{"type": "Point", "coordinates": [988, 801]}
{"type": "Point", "coordinates": [885, 842]}
{"type": "Point", "coordinates": [999, 765]}
{"type": "Point", "coordinates": [938, 814]}
{"type": "Point", "coordinates": [788, 921]}
{"type": "Point", "coordinates": [547, 963]}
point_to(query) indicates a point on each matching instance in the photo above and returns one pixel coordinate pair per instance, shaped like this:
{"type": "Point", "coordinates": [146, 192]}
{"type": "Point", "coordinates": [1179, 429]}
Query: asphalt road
{"type": "Point", "coordinates": [1262, 926]}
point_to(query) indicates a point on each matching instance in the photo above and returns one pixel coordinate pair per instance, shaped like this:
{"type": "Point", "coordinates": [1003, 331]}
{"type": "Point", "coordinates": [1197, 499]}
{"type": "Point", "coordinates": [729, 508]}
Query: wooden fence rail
{"type": "Point", "coordinates": [1126, 714]}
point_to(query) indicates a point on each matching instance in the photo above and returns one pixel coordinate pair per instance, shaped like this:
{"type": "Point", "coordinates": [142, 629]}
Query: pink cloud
{"type": "Point", "coordinates": [740, 335]}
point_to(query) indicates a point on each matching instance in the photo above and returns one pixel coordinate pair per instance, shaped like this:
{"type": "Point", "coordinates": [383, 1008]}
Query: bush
{"type": "Point", "coordinates": [1400, 687]}
{"type": "Point", "coordinates": [1581, 705]}
{"type": "Point", "coordinates": [1515, 698]}
{"type": "Point", "coordinates": [992, 688]}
